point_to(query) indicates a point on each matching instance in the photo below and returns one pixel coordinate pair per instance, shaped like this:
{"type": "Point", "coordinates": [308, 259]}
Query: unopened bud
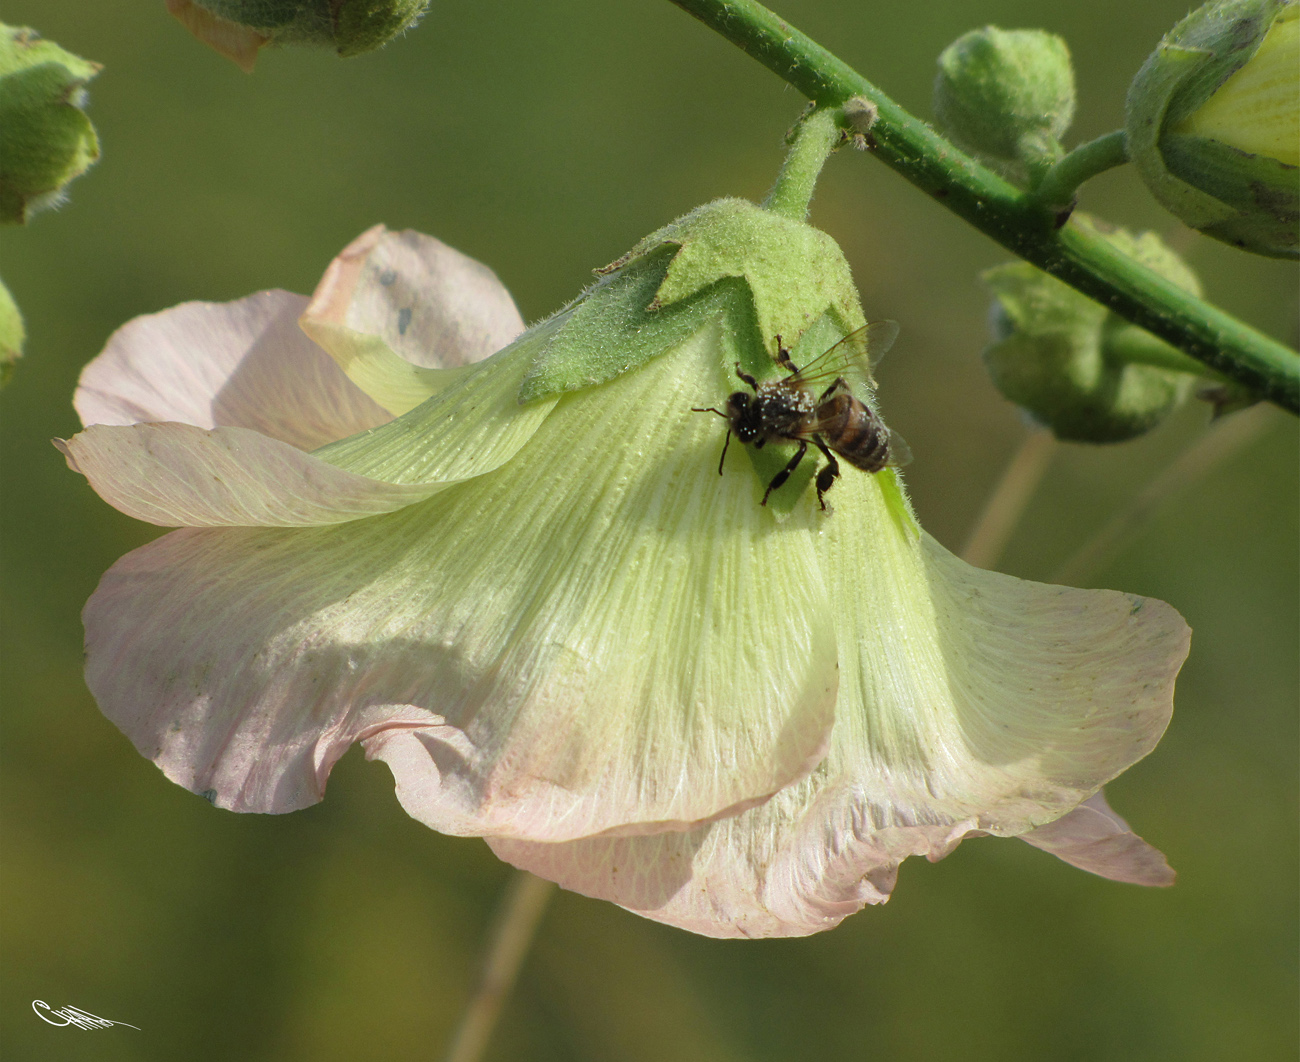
{"type": "Point", "coordinates": [1074, 366]}
{"type": "Point", "coordinates": [1007, 95]}
{"type": "Point", "coordinates": [238, 28]}
{"type": "Point", "coordinates": [1213, 123]}
{"type": "Point", "coordinates": [12, 334]}
{"type": "Point", "coordinates": [45, 138]}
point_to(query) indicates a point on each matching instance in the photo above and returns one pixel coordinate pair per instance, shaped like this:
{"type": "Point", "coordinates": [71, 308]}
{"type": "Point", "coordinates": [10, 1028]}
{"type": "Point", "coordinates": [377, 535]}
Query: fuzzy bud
{"type": "Point", "coordinates": [1007, 95]}
{"type": "Point", "coordinates": [12, 334]}
{"type": "Point", "coordinates": [45, 137]}
{"type": "Point", "coordinates": [1074, 366]}
{"type": "Point", "coordinates": [238, 28]}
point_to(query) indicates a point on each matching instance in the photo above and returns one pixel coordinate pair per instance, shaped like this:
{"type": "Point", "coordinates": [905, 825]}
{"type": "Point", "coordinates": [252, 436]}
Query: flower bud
{"type": "Point", "coordinates": [238, 28]}
{"type": "Point", "coordinates": [12, 334]}
{"type": "Point", "coordinates": [1007, 95]}
{"type": "Point", "coordinates": [1213, 123]}
{"type": "Point", "coordinates": [1074, 366]}
{"type": "Point", "coordinates": [45, 138]}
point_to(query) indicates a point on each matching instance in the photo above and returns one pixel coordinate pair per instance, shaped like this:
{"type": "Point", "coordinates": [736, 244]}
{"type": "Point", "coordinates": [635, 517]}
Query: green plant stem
{"type": "Point", "coordinates": [1017, 220]}
{"type": "Point", "coordinates": [1057, 188]}
{"type": "Point", "coordinates": [814, 137]}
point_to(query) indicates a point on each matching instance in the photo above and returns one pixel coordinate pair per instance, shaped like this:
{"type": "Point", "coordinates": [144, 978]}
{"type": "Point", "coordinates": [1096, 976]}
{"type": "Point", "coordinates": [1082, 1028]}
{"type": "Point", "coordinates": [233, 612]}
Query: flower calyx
{"type": "Point", "coordinates": [764, 280]}
{"type": "Point", "coordinates": [764, 274]}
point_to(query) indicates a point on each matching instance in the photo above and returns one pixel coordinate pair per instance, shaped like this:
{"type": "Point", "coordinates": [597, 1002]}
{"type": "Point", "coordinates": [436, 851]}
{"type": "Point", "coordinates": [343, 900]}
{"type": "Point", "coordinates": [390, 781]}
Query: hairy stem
{"type": "Point", "coordinates": [814, 137]}
{"type": "Point", "coordinates": [1018, 220]}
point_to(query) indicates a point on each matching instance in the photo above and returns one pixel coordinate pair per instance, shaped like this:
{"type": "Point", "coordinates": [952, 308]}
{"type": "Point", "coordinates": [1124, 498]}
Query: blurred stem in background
{"type": "Point", "coordinates": [1006, 505]}
{"type": "Point", "coordinates": [512, 933]}
{"type": "Point", "coordinates": [1221, 443]}
{"type": "Point", "coordinates": [1017, 219]}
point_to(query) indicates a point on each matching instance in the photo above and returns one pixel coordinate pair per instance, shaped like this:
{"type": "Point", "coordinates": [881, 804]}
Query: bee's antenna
{"type": "Point", "coordinates": [708, 409]}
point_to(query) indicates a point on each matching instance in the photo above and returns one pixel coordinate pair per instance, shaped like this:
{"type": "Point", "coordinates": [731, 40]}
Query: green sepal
{"type": "Point", "coordinates": [365, 25]}
{"type": "Point", "coordinates": [611, 329]}
{"type": "Point", "coordinates": [1074, 366]}
{"type": "Point", "coordinates": [727, 257]}
{"type": "Point", "coordinates": [760, 274]}
{"type": "Point", "coordinates": [1227, 194]}
{"type": "Point", "coordinates": [12, 334]}
{"type": "Point", "coordinates": [1263, 194]}
{"type": "Point", "coordinates": [45, 138]}
{"type": "Point", "coordinates": [794, 272]}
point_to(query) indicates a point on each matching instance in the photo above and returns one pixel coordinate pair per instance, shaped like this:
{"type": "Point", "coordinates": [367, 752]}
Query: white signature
{"type": "Point", "coordinates": [74, 1016]}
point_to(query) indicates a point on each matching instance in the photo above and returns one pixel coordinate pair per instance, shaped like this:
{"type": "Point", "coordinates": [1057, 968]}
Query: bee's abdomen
{"type": "Point", "coordinates": [854, 432]}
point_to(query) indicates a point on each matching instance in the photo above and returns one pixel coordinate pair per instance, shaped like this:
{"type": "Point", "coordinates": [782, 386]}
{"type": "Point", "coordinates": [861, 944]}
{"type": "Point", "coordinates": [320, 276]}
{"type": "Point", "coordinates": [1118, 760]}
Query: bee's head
{"type": "Point", "coordinates": [742, 411]}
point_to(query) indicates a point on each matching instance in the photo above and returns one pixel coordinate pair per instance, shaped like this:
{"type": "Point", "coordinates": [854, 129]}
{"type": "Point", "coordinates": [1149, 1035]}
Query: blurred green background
{"type": "Point", "coordinates": [545, 139]}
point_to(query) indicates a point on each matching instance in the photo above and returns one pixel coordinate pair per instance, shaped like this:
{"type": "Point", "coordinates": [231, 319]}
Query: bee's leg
{"type": "Point", "coordinates": [746, 377]}
{"type": "Point", "coordinates": [839, 382]}
{"type": "Point", "coordinates": [784, 474]}
{"type": "Point", "coordinates": [723, 459]}
{"type": "Point", "coordinates": [783, 357]}
{"type": "Point", "coordinates": [828, 475]}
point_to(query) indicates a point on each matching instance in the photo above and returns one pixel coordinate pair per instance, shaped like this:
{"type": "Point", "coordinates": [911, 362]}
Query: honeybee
{"type": "Point", "coordinates": [816, 405]}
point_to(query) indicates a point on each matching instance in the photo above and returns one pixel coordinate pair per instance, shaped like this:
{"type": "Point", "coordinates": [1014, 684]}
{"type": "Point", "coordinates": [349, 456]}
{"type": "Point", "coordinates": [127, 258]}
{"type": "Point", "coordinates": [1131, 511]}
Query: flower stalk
{"type": "Point", "coordinates": [1059, 184]}
{"type": "Point", "coordinates": [812, 141]}
{"type": "Point", "coordinates": [1018, 220]}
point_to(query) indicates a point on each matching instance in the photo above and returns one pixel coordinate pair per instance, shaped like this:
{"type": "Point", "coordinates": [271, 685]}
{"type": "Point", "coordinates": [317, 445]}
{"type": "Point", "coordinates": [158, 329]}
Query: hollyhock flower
{"type": "Point", "coordinates": [520, 581]}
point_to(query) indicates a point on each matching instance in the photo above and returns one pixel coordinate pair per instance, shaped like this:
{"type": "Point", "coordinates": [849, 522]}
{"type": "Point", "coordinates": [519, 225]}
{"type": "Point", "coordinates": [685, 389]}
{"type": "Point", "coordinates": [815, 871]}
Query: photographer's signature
{"type": "Point", "coordinates": [73, 1016]}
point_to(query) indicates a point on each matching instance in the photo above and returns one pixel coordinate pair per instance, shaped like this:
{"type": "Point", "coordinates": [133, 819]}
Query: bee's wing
{"type": "Point", "coordinates": [860, 349]}
{"type": "Point", "coordinates": [880, 337]}
{"type": "Point", "coordinates": [900, 453]}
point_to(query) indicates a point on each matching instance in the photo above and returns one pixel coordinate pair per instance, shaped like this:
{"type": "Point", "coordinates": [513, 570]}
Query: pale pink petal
{"type": "Point", "coordinates": [179, 475]}
{"type": "Point", "coordinates": [1093, 838]}
{"type": "Point", "coordinates": [731, 878]}
{"type": "Point", "coordinates": [429, 303]}
{"type": "Point", "coordinates": [530, 662]}
{"type": "Point", "coordinates": [176, 475]}
{"type": "Point", "coordinates": [240, 364]}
